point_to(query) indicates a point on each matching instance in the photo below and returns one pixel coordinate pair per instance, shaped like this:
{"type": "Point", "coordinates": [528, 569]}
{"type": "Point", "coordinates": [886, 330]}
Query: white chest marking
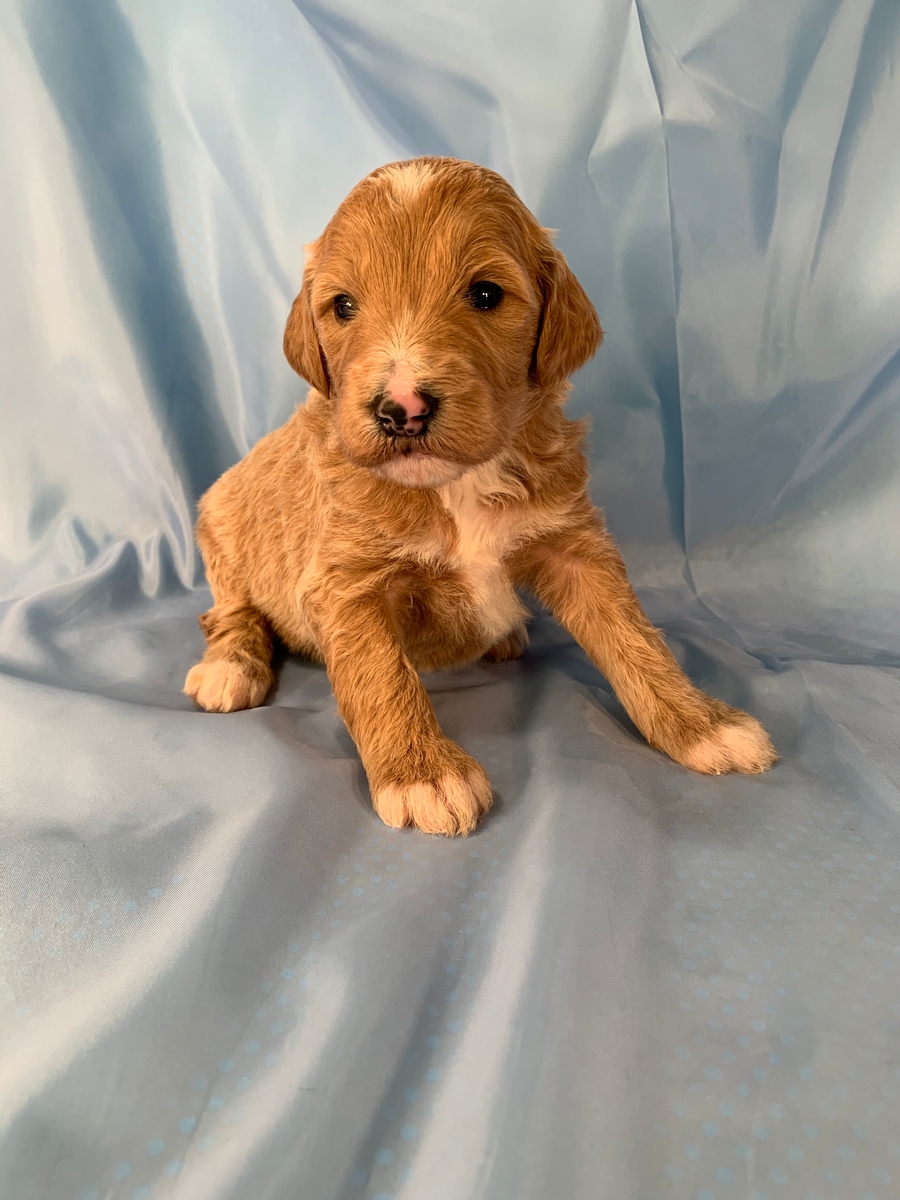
{"type": "Point", "coordinates": [485, 534]}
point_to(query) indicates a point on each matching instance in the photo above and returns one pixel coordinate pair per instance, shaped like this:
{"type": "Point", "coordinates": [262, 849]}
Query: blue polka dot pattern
{"type": "Point", "coordinates": [758, 1081]}
{"type": "Point", "coordinates": [752, 1094]}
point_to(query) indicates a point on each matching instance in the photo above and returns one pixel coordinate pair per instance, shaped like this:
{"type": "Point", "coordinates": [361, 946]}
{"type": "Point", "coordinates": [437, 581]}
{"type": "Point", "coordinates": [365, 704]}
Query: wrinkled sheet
{"type": "Point", "coordinates": [220, 977]}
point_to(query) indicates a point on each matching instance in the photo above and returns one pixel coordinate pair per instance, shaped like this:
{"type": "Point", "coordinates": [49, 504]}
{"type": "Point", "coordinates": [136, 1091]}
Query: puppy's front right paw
{"type": "Point", "coordinates": [226, 685]}
{"type": "Point", "coordinates": [449, 797]}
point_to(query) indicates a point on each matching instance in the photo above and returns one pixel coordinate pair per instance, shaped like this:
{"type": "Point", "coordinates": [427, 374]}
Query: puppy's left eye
{"type": "Point", "coordinates": [485, 295]}
{"type": "Point", "coordinates": [344, 307]}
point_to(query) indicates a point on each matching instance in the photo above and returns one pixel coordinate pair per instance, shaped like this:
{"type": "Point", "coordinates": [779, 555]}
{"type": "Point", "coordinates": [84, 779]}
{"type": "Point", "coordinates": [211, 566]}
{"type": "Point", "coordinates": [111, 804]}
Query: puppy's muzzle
{"type": "Point", "coordinates": [405, 415]}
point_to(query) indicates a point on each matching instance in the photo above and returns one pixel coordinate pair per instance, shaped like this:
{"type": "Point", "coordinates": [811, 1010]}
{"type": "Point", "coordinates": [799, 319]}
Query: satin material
{"type": "Point", "coordinates": [220, 977]}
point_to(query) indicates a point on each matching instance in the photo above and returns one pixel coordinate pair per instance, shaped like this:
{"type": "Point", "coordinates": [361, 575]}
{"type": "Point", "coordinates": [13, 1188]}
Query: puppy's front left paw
{"type": "Point", "coordinates": [735, 743]}
{"type": "Point", "coordinates": [449, 799]}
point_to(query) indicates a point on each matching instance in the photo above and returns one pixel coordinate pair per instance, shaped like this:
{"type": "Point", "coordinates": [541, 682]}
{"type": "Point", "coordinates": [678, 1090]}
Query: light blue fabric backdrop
{"type": "Point", "coordinates": [220, 977]}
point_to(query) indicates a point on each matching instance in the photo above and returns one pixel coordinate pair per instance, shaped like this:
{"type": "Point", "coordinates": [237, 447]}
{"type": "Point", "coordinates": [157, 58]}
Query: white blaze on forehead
{"type": "Point", "coordinates": [407, 179]}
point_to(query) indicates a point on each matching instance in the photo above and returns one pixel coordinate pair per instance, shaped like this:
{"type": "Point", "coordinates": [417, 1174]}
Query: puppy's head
{"type": "Point", "coordinates": [433, 310]}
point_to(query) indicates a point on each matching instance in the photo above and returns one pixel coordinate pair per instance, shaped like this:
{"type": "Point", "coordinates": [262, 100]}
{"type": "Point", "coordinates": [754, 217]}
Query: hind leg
{"type": "Point", "coordinates": [236, 670]}
{"type": "Point", "coordinates": [512, 646]}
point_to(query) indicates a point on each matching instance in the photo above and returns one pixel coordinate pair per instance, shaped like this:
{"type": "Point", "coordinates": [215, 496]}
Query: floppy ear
{"type": "Point", "coordinates": [302, 348]}
{"type": "Point", "coordinates": [569, 331]}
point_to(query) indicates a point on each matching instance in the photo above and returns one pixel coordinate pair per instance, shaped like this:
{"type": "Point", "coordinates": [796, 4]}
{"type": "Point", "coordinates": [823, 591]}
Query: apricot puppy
{"type": "Point", "coordinates": [386, 528]}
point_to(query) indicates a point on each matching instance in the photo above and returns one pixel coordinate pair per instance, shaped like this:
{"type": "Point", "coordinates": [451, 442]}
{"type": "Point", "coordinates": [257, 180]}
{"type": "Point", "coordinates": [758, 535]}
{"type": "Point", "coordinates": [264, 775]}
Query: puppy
{"type": "Point", "coordinates": [430, 476]}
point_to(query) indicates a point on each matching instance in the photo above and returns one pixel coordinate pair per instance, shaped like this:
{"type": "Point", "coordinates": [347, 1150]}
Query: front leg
{"type": "Point", "coordinates": [417, 775]}
{"type": "Point", "coordinates": [581, 578]}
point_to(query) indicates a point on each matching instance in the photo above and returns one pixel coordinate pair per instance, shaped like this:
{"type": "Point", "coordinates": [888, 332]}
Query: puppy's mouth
{"type": "Point", "coordinates": [411, 448]}
{"type": "Point", "coordinates": [415, 462]}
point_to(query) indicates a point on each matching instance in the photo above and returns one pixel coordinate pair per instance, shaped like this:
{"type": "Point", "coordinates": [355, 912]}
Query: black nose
{"type": "Point", "coordinates": [397, 420]}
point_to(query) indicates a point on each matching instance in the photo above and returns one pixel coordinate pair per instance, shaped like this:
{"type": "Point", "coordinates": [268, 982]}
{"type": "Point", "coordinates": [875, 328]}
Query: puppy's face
{"type": "Point", "coordinates": [433, 310]}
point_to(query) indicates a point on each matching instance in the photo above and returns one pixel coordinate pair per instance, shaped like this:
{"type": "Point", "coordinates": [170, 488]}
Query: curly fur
{"type": "Point", "coordinates": [383, 557]}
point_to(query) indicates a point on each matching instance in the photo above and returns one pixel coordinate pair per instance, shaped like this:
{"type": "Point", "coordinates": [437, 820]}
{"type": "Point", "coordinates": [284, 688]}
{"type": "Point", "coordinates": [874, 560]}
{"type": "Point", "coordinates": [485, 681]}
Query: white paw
{"type": "Point", "coordinates": [449, 804]}
{"type": "Point", "coordinates": [738, 744]}
{"type": "Point", "coordinates": [226, 685]}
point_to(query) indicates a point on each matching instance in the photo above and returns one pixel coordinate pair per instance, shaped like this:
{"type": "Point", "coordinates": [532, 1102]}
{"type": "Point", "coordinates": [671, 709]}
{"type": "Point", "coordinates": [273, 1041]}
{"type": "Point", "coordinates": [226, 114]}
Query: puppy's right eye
{"type": "Point", "coordinates": [344, 307]}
